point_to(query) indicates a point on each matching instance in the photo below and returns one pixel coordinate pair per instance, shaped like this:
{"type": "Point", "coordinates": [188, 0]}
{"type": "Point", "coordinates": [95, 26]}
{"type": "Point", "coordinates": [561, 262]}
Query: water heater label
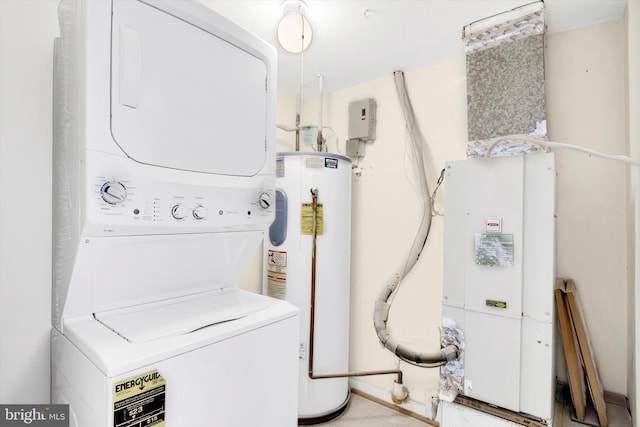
{"type": "Point", "coordinates": [302, 351]}
{"type": "Point", "coordinates": [277, 274]}
{"type": "Point", "coordinates": [277, 285]}
{"type": "Point", "coordinates": [279, 167]}
{"type": "Point", "coordinates": [306, 219]}
{"type": "Point", "coordinates": [277, 258]}
{"type": "Point", "coordinates": [314, 162]}
{"type": "Point", "coordinates": [331, 163]}
{"type": "Point", "coordinates": [139, 401]}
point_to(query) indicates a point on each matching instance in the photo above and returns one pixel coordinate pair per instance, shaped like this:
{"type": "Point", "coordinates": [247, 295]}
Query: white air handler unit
{"type": "Point", "coordinates": [164, 180]}
{"type": "Point", "coordinates": [499, 273]}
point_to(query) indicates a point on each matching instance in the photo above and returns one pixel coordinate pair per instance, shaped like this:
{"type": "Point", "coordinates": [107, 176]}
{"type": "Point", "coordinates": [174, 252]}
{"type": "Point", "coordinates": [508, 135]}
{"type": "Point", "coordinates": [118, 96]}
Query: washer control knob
{"type": "Point", "coordinates": [179, 212]}
{"type": "Point", "coordinates": [113, 192]}
{"type": "Point", "coordinates": [265, 200]}
{"type": "Point", "coordinates": [199, 212]}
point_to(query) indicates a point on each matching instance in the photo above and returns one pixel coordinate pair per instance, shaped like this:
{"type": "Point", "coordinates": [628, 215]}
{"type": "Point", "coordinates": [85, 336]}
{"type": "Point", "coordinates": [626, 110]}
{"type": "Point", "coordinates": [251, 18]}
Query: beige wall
{"type": "Point", "coordinates": [586, 106]}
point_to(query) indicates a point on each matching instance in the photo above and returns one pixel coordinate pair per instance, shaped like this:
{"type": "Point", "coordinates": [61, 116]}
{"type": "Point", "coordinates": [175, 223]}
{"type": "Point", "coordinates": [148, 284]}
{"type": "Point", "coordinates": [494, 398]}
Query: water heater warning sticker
{"type": "Point", "coordinates": [139, 401]}
{"type": "Point", "coordinates": [277, 258]}
{"type": "Point", "coordinates": [306, 219]}
{"type": "Point", "coordinates": [277, 274]}
{"type": "Point", "coordinates": [279, 167]}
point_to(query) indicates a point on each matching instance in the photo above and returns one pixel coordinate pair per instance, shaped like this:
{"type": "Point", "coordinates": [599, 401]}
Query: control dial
{"type": "Point", "coordinates": [265, 200]}
{"type": "Point", "coordinates": [199, 212]}
{"type": "Point", "coordinates": [179, 212]}
{"type": "Point", "coordinates": [113, 192]}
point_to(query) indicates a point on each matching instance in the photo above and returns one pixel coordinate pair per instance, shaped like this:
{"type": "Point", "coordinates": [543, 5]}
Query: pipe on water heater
{"type": "Point", "coordinates": [399, 393]}
{"type": "Point", "coordinates": [319, 141]}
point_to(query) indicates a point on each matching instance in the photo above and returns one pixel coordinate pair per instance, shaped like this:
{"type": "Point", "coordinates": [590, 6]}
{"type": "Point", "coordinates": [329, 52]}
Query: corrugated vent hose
{"type": "Point", "coordinates": [382, 305]}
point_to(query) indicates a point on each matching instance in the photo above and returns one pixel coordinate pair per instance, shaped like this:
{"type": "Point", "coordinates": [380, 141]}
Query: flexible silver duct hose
{"type": "Point", "coordinates": [382, 304]}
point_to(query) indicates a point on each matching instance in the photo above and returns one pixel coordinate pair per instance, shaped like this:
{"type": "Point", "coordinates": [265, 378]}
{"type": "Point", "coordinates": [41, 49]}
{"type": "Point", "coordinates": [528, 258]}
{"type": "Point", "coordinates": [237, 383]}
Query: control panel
{"type": "Point", "coordinates": [117, 201]}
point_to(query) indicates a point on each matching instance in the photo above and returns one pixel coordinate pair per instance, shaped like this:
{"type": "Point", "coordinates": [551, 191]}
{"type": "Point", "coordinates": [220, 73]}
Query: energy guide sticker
{"type": "Point", "coordinates": [139, 401]}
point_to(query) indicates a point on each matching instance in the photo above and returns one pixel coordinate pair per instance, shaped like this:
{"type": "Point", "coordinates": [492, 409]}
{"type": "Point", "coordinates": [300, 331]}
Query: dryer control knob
{"type": "Point", "coordinates": [113, 192]}
{"type": "Point", "coordinates": [179, 212]}
{"type": "Point", "coordinates": [265, 200]}
{"type": "Point", "coordinates": [199, 212]}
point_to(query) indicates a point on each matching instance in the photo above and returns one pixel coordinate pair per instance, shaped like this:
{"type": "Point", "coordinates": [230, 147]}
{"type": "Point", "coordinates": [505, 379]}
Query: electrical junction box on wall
{"type": "Point", "coordinates": [362, 119]}
{"type": "Point", "coordinates": [499, 274]}
{"type": "Point", "coordinates": [355, 147]}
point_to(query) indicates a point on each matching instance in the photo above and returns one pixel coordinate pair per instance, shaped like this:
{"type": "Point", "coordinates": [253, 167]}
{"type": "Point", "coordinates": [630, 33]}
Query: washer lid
{"type": "Point", "coordinates": [183, 97]}
{"type": "Point", "coordinates": [180, 316]}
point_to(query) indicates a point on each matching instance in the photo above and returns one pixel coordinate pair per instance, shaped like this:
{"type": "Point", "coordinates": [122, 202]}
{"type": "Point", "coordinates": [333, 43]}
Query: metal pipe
{"type": "Point", "coordinates": [319, 141]}
{"type": "Point", "coordinates": [312, 308]}
{"type": "Point", "coordinates": [297, 131]}
{"type": "Point", "coordinates": [397, 372]}
{"type": "Point", "coordinates": [314, 232]}
{"type": "Point", "coordinates": [299, 105]}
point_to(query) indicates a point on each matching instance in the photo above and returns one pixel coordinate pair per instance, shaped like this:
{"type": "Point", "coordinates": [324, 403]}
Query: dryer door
{"type": "Point", "coordinates": [183, 98]}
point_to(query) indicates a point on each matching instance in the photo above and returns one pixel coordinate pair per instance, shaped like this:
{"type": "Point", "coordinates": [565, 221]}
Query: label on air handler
{"type": "Point", "coordinates": [495, 249]}
{"type": "Point", "coordinates": [139, 401]}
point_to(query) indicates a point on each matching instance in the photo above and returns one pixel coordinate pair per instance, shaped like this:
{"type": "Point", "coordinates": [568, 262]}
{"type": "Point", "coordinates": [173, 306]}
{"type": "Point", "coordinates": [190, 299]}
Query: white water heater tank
{"type": "Point", "coordinates": [289, 260]}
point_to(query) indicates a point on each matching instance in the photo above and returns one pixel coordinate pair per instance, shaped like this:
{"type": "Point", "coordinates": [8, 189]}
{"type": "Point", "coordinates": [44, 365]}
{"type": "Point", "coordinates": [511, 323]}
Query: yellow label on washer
{"type": "Point", "coordinates": [306, 219]}
{"type": "Point", "coordinates": [139, 401]}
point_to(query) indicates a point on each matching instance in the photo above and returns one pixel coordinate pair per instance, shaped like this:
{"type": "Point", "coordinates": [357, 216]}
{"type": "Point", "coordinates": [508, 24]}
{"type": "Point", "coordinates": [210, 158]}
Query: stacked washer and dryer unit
{"type": "Point", "coordinates": [164, 180]}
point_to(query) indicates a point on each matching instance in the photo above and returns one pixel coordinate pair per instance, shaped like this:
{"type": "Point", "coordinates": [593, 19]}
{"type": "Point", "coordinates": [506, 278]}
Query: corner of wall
{"type": "Point", "coordinates": [632, 27]}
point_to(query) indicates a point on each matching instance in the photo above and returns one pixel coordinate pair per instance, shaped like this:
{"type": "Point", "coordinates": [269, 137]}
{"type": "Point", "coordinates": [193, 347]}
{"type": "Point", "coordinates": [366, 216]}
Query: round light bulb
{"type": "Point", "coordinates": [294, 33]}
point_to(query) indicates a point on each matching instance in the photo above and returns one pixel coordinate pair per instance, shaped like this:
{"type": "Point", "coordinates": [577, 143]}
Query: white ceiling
{"type": "Point", "coordinates": [350, 46]}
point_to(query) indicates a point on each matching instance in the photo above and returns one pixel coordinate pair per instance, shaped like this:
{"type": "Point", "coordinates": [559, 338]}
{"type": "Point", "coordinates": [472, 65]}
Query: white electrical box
{"type": "Point", "coordinates": [499, 274]}
{"type": "Point", "coordinates": [362, 119]}
{"type": "Point", "coordinates": [355, 147]}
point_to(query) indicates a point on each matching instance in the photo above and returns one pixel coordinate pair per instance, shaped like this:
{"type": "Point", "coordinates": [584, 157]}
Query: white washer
{"type": "Point", "coordinates": [163, 186]}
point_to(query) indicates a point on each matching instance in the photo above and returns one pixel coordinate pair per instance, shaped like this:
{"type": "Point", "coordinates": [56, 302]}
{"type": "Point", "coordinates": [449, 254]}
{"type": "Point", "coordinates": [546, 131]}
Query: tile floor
{"type": "Point", "coordinates": [617, 412]}
{"type": "Point", "coordinates": [365, 413]}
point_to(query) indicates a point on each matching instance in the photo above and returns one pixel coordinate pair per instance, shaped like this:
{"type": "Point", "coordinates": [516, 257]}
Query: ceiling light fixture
{"type": "Point", "coordinates": [294, 30]}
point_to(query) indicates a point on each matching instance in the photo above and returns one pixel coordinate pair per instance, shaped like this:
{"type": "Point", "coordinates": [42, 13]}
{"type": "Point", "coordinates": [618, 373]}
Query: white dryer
{"type": "Point", "coordinates": [163, 186]}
